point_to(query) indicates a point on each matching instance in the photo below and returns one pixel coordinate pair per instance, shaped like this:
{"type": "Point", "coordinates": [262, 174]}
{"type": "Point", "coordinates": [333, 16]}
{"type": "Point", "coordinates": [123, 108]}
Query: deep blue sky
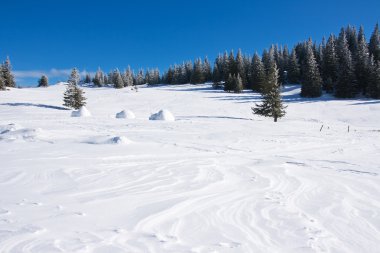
{"type": "Point", "coordinates": [44, 35]}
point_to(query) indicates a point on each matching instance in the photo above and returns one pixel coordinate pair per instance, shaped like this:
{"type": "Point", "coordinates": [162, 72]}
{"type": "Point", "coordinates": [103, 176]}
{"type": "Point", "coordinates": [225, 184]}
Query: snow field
{"type": "Point", "coordinates": [217, 179]}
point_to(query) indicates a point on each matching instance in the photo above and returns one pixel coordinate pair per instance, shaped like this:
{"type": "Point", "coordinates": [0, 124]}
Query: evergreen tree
{"type": "Point", "coordinates": [207, 70]}
{"type": "Point", "coordinates": [237, 84]}
{"type": "Point", "coordinates": [272, 102]}
{"type": "Point", "coordinates": [197, 77]}
{"type": "Point", "coordinates": [232, 67]}
{"type": "Point", "coordinates": [374, 84]}
{"type": "Point", "coordinates": [73, 96]}
{"type": "Point", "coordinates": [362, 68]}
{"type": "Point", "coordinates": [226, 69]}
{"type": "Point", "coordinates": [2, 84]}
{"type": "Point", "coordinates": [346, 86]}
{"type": "Point", "coordinates": [312, 83]}
{"type": "Point", "coordinates": [117, 80]}
{"type": "Point", "coordinates": [330, 64]}
{"type": "Point", "coordinates": [258, 74]}
{"type": "Point", "coordinates": [99, 78]}
{"type": "Point", "coordinates": [216, 77]}
{"type": "Point", "coordinates": [128, 77]}
{"type": "Point", "coordinates": [6, 72]}
{"type": "Point", "coordinates": [87, 79]}
{"type": "Point", "coordinates": [229, 84]}
{"type": "Point", "coordinates": [293, 68]}
{"type": "Point", "coordinates": [374, 44]}
{"type": "Point", "coordinates": [43, 81]}
{"type": "Point", "coordinates": [240, 68]}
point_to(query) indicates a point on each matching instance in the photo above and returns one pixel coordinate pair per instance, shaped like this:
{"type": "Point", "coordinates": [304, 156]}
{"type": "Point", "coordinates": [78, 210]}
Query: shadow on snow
{"type": "Point", "coordinates": [37, 105]}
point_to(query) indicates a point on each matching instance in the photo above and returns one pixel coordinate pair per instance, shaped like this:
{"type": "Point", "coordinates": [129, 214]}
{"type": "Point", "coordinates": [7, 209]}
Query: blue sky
{"type": "Point", "coordinates": [53, 36]}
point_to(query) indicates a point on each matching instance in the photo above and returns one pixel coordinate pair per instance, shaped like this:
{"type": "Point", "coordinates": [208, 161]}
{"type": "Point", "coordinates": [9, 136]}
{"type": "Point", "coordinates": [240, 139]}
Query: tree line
{"type": "Point", "coordinates": [345, 65]}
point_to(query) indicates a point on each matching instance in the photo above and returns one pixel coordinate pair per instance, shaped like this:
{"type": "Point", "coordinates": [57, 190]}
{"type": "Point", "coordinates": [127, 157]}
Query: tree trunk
{"type": "Point", "coordinates": [275, 119]}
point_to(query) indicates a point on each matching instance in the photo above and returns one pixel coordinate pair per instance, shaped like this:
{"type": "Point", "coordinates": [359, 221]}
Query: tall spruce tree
{"type": "Point", "coordinates": [258, 75]}
{"type": "Point", "coordinates": [374, 84]}
{"type": "Point", "coordinates": [197, 76]}
{"type": "Point", "coordinates": [293, 68]}
{"type": "Point", "coordinates": [229, 84]}
{"type": "Point", "coordinates": [346, 85]}
{"type": "Point", "coordinates": [206, 71]}
{"type": "Point", "coordinates": [237, 84]}
{"type": "Point", "coordinates": [272, 105]}
{"type": "Point", "coordinates": [374, 44]}
{"type": "Point", "coordinates": [362, 67]}
{"type": "Point", "coordinates": [99, 78]}
{"type": "Point", "coordinates": [73, 96]}
{"type": "Point", "coordinates": [117, 79]}
{"type": "Point", "coordinates": [312, 83]}
{"type": "Point", "coordinates": [43, 81]}
{"type": "Point", "coordinates": [240, 67]}
{"type": "Point", "coordinates": [216, 77]}
{"type": "Point", "coordinates": [330, 64]}
{"type": "Point", "coordinates": [6, 72]}
{"type": "Point", "coordinates": [2, 84]}
{"type": "Point", "coordinates": [128, 77]}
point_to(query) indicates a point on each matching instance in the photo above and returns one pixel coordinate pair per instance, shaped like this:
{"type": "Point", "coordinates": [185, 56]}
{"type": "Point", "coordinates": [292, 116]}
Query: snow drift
{"type": "Point", "coordinates": [82, 112]}
{"type": "Point", "coordinates": [164, 115]}
{"type": "Point", "coordinates": [14, 132]}
{"type": "Point", "coordinates": [108, 140]}
{"type": "Point", "coordinates": [125, 114]}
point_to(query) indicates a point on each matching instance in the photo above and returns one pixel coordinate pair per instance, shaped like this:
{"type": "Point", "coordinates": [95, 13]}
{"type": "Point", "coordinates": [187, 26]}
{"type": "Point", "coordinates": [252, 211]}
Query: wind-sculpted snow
{"type": "Point", "coordinates": [218, 179]}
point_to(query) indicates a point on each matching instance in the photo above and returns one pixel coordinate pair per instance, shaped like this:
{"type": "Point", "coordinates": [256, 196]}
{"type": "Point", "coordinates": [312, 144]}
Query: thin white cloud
{"type": "Point", "coordinates": [52, 73]}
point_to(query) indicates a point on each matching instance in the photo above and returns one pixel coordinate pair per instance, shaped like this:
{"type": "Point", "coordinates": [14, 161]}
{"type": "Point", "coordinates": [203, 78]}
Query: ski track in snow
{"type": "Point", "coordinates": [207, 183]}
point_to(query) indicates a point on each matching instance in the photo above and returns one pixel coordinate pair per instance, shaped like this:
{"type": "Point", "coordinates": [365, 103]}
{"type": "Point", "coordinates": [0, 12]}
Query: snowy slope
{"type": "Point", "coordinates": [218, 179]}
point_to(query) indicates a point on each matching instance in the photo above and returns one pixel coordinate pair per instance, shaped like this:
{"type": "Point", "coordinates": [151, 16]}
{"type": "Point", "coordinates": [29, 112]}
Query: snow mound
{"type": "Point", "coordinates": [125, 114]}
{"type": "Point", "coordinates": [162, 115]}
{"type": "Point", "coordinates": [82, 112]}
{"type": "Point", "coordinates": [13, 132]}
{"type": "Point", "coordinates": [119, 140]}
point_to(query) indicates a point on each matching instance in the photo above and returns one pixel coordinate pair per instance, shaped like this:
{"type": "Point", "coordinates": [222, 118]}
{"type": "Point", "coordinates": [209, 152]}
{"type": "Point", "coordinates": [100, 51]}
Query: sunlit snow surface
{"type": "Point", "coordinates": [217, 179]}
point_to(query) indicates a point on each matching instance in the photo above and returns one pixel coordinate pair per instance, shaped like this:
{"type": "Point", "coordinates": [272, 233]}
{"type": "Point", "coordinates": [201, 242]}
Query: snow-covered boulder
{"type": "Point", "coordinates": [125, 114]}
{"type": "Point", "coordinates": [82, 112]}
{"type": "Point", "coordinates": [162, 115]}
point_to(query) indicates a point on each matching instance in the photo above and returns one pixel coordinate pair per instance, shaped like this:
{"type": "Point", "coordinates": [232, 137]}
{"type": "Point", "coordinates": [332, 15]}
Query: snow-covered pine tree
{"type": "Point", "coordinates": [117, 80]}
{"type": "Point", "coordinates": [374, 81]}
{"type": "Point", "coordinates": [216, 77]}
{"type": "Point", "coordinates": [312, 83]}
{"type": "Point", "coordinates": [293, 68]}
{"type": "Point", "coordinates": [6, 72]}
{"type": "Point", "coordinates": [272, 105]}
{"type": "Point", "coordinates": [229, 84]}
{"type": "Point", "coordinates": [189, 71]}
{"type": "Point", "coordinates": [346, 85]}
{"type": "Point", "coordinates": [207, 70]}
{"type": "Point", "coordinates": [240, 68]}
{"type": "Point", "coordinates": [374, 44]}
{"type": "Point", "coordinates": [285, 60]}
{"type": "Point", "coordinates": [330, 64]}
{"type": "Point", "coordinates": [352, 39]}
{"type": "Point", "coordinates": [2, 84]}
{"type": "Point", "coordinates": [99, 78]}
{"type": "Point", "coordinates": [197, 76]}
{"type": "Point", "coordinates": [362, 68]}
{"type": "Point", "coordinates": [232, 67]}
{"type": "Point", "coordinates": [226, 70]}
{"type": "Point", "coordinates": [87, 79]}
{"type": "Point", "coordinates": [73, 96]}
{"type": "Point", "coordinates": [237, 84]}
{"type": "Point", "coordinates": [258, 75]}
{"type": "Point", "coordinates": [43, 81]}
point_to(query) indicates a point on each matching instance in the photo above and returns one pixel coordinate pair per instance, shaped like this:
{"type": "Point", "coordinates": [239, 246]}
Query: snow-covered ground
{"type": "Point", "coordinates": [217, 179]}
